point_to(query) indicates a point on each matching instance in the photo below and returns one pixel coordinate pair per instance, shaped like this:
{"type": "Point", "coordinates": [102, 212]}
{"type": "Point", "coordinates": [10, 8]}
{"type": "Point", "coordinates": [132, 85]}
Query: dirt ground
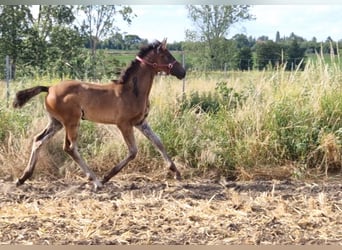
{"type": "Point", "coordinates": [133, 209]}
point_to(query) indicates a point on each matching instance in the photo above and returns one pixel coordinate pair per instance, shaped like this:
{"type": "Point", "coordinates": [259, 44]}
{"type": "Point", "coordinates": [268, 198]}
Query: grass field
{"type": "Point", "coordinates": [243, 125]}
{"type": "Point", "coordinates": [260, 153]}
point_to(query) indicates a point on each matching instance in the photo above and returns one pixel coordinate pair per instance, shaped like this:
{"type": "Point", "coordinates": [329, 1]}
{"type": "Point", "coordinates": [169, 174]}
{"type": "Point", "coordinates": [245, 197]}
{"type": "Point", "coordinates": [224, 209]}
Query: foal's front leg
{"type": "Point", "coordinates": [128, 135]}
{"type": "Point", "coordinates": [148, 132]}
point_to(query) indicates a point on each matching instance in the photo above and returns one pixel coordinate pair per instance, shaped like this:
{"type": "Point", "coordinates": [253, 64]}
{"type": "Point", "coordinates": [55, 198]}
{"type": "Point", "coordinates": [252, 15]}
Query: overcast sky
{"type": "Point", "coordinates": [171, 21]}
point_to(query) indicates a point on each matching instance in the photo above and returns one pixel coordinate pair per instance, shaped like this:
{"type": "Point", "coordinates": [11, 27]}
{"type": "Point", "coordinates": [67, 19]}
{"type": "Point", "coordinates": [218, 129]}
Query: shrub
{"type": "Point", "coordinates": [223, 97]}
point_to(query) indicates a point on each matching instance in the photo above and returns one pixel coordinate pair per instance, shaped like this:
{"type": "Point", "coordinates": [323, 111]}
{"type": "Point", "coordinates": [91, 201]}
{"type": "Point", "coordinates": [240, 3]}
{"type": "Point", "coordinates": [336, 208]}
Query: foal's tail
{"type": "Point", "coordinates": [23, 96]}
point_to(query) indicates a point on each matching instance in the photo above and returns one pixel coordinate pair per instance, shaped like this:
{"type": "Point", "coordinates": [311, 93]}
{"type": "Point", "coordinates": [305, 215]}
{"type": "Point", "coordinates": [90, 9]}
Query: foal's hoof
{"type": "Point", "coordinates": [18, 182]}
{"type": "Point", "coordinates": [97, 185]}
{"type": "Point", "coordinates": [178, 176]}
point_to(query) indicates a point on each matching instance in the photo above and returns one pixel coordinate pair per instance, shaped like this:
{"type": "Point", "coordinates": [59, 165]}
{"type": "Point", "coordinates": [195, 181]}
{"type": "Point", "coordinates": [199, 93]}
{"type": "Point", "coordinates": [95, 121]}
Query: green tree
{"type": "Point", "coordinates": [294, 55]}
{"type": "Point", "coordinates": [15, 22]}
{"type": "Point", "coordinates": [268, 53]}
{"type": "Point", "coordinates": [99, 23]}
{"type": "Point", "coordinates": [175, 46]}
{"type": "Point", "coordinates": [52, 36]}
{"type": "Point", "coordinates": [293, 36]}
{"type": "Point", "coordinates": [132, 41]}
{"type": "Point", "coordinates": [227, 58]}
{"type": "Point", "coordinates": [212, 24]}
{"type": "Point", "coordinates": [195, 55]}
{"type": "Point", "coordinates": [115, 41]}
{"type": "Point", "coordinates": [311, 46]}
{"type": "Point", "coordinates": [37, 43]}
{"type": "Point", "coordinates": [65, 52]}
{"type": "Point", "coordinates": [50, 16]}
{"type": "Point", "coordinates": [263, 39]}
{"type": "Point", "coordinates": [245, 58]}
{"type": "Point", "coordinates": [241, 40]}
{"type": "Point", "coordinates": [277, 39]}
{"type": "Point", "coordinates": [329, 46]}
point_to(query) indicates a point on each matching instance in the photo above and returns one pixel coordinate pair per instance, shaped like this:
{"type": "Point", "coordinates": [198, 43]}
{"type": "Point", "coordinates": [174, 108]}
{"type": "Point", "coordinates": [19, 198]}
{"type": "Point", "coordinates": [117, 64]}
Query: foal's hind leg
{"type": "Point", "coordinates": [70, 146]}
{"type": "Point", "coordinates": [147, 131]}
{"type": "Point", "coordinates": [52, 128]}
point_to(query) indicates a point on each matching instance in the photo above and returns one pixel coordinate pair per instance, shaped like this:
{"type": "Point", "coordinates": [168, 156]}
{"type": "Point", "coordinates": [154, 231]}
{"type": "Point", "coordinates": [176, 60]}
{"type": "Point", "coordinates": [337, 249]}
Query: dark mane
{"type": "Point", "coordinates": [147, 48]}
{"type": "Point", "coordinates": [144, 50]}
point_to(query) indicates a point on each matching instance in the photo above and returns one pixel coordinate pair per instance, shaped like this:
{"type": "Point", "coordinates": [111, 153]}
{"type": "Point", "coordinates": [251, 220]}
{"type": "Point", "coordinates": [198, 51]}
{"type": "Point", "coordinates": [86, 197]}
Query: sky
{"type": "Point", "coordinates": [308, 21]}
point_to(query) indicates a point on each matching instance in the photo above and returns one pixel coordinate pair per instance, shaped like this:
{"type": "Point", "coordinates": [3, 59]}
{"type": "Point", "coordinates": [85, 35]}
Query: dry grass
{"type": "Point", "coordinates": [266, 132]}
{"type": "Point", "coordinates": [139, 210]}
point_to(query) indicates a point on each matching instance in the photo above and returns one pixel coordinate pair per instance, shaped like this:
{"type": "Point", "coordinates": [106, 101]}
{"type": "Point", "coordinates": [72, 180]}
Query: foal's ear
{"type": "Point", "coordinates": [163, 43]}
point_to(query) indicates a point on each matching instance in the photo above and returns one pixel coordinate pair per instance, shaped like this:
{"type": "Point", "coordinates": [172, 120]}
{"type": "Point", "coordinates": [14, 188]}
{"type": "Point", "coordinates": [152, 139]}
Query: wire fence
{"type": "Point", "coordinates": [9, 76]}
{"type": "Point", "coordinates": [118, 60]}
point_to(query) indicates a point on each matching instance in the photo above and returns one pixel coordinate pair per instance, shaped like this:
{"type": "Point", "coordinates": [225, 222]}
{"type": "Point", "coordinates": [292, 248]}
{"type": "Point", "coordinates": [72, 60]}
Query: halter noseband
{"type": "Point", "coordinates": [156, 66]}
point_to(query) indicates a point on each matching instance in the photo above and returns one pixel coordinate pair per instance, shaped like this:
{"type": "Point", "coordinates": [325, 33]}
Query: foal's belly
{"type": "Point", "coordinates": [123, 117]}
{"type": "Point", "coordinates": [99, 116]}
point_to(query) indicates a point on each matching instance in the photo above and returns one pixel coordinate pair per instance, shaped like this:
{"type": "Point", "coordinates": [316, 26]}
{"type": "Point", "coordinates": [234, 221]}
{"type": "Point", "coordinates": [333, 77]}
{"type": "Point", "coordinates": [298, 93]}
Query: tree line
{"type": "Point", "coordinates": [238, 53]}
{"type": "Point", "coordinates": [67, 40]}
{"type": "Point", "coordinates": [54, 42]}
{"type": "Point", "coordinates": [210, 49]}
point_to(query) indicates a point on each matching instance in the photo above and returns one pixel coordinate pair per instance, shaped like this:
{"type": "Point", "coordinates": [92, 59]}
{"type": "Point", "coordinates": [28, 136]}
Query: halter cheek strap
{"type": "Point", "coordinates": [156, 66]}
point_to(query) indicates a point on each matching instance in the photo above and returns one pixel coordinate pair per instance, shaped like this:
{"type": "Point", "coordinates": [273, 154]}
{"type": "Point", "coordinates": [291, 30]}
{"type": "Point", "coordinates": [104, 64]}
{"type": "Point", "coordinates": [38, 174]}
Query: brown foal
{"type": "Point", "coordinates": [124, 102]}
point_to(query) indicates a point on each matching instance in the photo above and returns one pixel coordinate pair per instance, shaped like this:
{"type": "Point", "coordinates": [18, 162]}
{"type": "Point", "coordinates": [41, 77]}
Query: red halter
{"type": "Point", "coordinates": [155, 65]}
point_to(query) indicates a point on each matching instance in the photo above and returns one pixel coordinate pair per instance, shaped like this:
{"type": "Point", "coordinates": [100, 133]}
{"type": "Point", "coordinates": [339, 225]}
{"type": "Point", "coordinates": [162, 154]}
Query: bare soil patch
{"type": "Point", "coordinates": [136, 210]}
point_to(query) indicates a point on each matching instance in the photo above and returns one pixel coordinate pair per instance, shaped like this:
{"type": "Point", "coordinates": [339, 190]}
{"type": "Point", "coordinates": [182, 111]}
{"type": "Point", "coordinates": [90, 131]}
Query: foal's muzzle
{"type": "Point", "coordinates": [177, 70]}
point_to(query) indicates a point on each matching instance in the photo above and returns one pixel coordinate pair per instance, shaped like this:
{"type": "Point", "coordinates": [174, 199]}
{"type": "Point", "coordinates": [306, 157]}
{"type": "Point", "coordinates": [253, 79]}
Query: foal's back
{"type": "Point", "coordinates": [73, 100]}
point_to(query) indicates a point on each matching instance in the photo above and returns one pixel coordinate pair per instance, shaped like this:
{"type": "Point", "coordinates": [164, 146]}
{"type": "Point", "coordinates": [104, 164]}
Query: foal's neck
{"type": "Point", "coordinates": [141, 81]}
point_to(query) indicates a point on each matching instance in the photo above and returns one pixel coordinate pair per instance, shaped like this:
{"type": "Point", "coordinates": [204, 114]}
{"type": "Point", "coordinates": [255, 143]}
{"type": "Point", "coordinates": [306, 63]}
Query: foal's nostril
{"type": "Point", "coordinates": [181, 74]}
{"type": "Point", "coordinates": [178, 71]}
{"type": "Point", "coordinates": [184, 73]}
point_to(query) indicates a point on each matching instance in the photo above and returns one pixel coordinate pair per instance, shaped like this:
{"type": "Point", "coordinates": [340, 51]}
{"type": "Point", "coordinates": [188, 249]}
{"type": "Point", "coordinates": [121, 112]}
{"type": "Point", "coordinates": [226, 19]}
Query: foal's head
{"type": "Point", "coordinates": [159, 57]}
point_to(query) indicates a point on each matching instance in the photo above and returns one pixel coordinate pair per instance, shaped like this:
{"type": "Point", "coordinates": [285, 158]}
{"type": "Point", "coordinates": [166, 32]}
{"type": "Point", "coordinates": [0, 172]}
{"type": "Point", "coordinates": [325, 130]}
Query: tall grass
{"type": "Point", "coordinates": [257, 124]}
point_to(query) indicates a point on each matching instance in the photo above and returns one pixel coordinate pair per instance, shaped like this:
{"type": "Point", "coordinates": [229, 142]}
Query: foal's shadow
{"type": "Point", "coordinates": [144, 187]}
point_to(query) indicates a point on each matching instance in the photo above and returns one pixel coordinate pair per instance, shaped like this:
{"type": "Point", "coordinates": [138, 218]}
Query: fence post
{"type": "Point", "coordinates": [8, 78]}
{"type": "Point", "coordinates": [183, 64]}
